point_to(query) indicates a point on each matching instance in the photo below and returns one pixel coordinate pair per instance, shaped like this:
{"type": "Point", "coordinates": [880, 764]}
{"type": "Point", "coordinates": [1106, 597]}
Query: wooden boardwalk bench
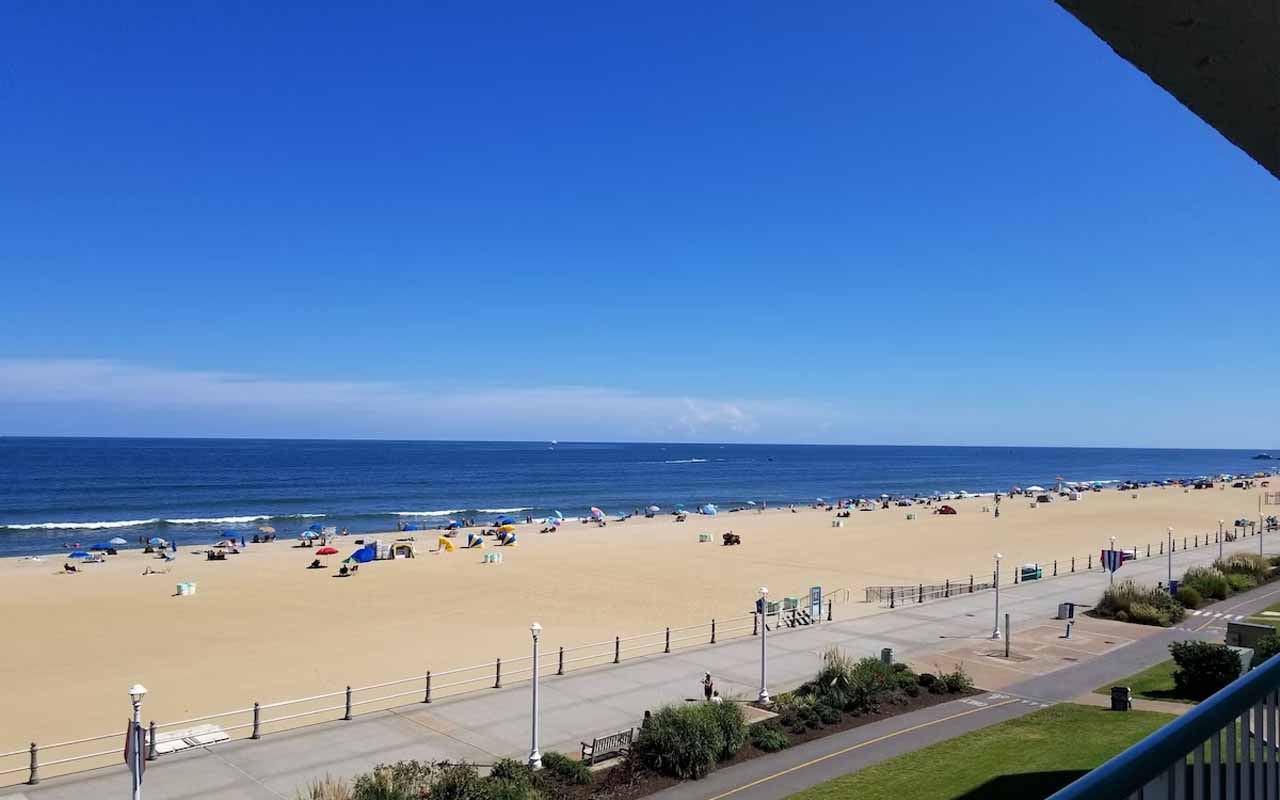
{"type": "Point", "coordinates": [602, 747]}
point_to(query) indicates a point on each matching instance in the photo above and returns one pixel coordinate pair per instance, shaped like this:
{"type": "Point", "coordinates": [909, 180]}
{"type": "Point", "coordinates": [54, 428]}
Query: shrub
{"type": "Point", "coordinates": [828, 714]}
{"type": "Point", "coordinates": [1241, 582]}
{"type": "Point", "coordinates": [797, 713]}
{"type": "Point", "coordinates": [728, 717]}
{"type": "Point", "coordinates": [956, 681]}
{"type": "Point", "coordinates": [1266, 647]}
{"type": "Point", "coordinates": [1117, 603]}
{"type": "Point", "coordinates": [1209, 582]}
{"type": "Point", "coordinates": [927, 680]}
{"type": "Point", "coordinates": [680, 741]}
{"type": "Point", "coordinates": [1203, 668]}
{"type": "Point", "coordinates": [403, 780]}
{"type": "Point", "coordinates": [1189, 597]}
{"type": "Point", "coordinates": [565, 770]}
{"type": "Point", "coordinates": [326, 788]}
{"type": "Point", "coordinates": [857, 686]}
{"type": "Point", "coordinates": [455, 782]}
{"type": "Point", "coordinates": [1252, 564]}
{"type": "Point", "coordinates": [769, 737]}
{"type": "Point", "coordinates": [1144, 614]}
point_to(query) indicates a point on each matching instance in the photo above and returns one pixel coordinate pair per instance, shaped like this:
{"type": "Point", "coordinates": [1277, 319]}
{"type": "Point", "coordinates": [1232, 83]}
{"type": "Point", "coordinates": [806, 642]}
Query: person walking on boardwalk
{"type": "Point", "coordinates": [707, 686]}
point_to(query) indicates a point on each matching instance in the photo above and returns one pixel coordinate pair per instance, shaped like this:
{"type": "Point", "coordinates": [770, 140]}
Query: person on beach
{"type": "Point", "coordinates": [715, 698]}
{"type": "Point", "coordinates": [708, 686]}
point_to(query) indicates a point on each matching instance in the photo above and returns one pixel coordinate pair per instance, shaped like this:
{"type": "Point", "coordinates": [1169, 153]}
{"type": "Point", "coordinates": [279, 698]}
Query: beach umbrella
{"type": "Point", "coordinates": [315, 527]}
{"type": "Point", "coordinates": [507, 528]}
{"type": "Point", "coordinates": [505, 521]}
{"type": "Point", "coordinates": [78, 554]}
{"type": "Point", "coordinates": [327, 551]}
{"type": "Point", "coordinates": [710, 510]}
{"type": "Point", "coordinates": [308, 535]}
{"type": "Point", "coordinates": [653, 509]}
{"type": "Point", "coordinates": [117, 540]}
{"type": "Point", "coordinates": [100, 546]}
{"type": "Point", "coordinates": [266, 529]}
{"type": "Point", "coordinates": [595, 512]}
{"type": "Point", "coordinates": [156, 540]}
{"type": "Point", "coordinates": [225, 543]}
{"type": "Point", "coordinates": [454, 524]}
{"type": "Point", "coordinates": [751, 502]}
{"type": "Point", "coordinates": [557, 515]}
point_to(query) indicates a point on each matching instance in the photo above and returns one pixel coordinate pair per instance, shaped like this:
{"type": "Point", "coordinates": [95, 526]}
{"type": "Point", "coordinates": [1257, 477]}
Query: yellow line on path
{"type": "Point", "coordinates": [858, 746]}
{"type": "Point", "coordinates": [1233, 608]}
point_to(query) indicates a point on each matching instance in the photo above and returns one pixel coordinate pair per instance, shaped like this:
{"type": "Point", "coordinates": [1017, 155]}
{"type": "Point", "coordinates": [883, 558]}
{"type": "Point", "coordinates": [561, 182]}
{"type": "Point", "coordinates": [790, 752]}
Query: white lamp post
{"type": "Point", "coordinates": [763, 697]}
{"type": "Point", "coordinates": [995, 630]}
{"type": "Point", "coordinates": [1112, 577]}
{"type": "Point", "coordinates": [1220, 538]}
{"type": "Point", "coordinates": [1169, 552]}
{"type": "Point", "coordinates": [535, 757]}
{"type": "Point", "coordinates": [136, 693]}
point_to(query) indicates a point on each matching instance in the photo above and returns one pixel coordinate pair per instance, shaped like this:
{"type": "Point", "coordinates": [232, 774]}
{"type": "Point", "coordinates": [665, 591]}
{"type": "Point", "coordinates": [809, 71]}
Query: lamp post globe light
{"type": "Point", "coordinates": [762, 606]}
{"type": "Point", "coordinates": [535, 757]}
{"type": "Point", "coordinates": [1169, 553]}
{"type": "Point", "coordinates": [995, 630]}
{"type": "Point", "coordinates": [1220, 537]}
{"type": "Point", "coordinates": [1112, 578]}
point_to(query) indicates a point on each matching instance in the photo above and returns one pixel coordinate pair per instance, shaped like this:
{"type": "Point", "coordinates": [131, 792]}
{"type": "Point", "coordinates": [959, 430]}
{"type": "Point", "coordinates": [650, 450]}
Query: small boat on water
{"type": "Point", "coordinates": [1262, 457]}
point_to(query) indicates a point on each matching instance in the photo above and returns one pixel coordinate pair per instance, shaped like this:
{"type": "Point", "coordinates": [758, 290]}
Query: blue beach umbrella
{"type": "Point", "coordinates": [315, 527]}
{"type": "Point", "coordinates": [454, 525]}
{"type": "Point", "coordinates": [156, 540]}
{"type": "Point", "coordinates": [505, 521]}
{"type": "Point", "coordinates": [557, 515]}
{"type": "Point", "coordinates": [710, 510]}
{"type": "Point", "coordinates": [308, 535]}
{"type": "Point", "coordinates": [117, 540]}
{"type": "Point", "coordinates": [78, 554]}
{"type": "Point", "coordinates": [100, 546]}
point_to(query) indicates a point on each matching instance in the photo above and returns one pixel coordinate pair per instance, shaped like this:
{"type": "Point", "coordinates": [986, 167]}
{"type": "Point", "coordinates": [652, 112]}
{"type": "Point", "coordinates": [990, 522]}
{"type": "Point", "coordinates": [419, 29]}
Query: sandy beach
{"type": "Point", "coordinates": [263, 627]}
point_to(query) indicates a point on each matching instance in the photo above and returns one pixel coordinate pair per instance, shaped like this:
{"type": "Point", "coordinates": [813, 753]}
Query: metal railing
{"type": "Point", "coordinates": [894, 595]}
{"type": "Point", "coordinates": [1226, 747]}
{"type": "Point", "coordinates": [254, 720]}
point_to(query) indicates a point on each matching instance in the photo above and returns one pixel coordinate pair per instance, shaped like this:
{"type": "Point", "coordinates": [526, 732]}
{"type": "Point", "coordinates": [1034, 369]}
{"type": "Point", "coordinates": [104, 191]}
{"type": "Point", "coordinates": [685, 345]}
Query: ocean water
{"type": "Point", "coordinates": [55, 491]}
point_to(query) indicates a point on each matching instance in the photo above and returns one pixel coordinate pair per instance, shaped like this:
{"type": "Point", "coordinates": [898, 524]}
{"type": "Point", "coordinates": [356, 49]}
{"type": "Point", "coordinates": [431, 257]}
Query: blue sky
{"type": "Point", "coordinates": [869, 223]}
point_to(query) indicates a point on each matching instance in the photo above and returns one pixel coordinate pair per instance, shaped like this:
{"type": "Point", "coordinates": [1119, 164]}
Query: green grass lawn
{"type": "Point", "coordinates": [1153, 683]}
{"type": "Point", "coordinates": [1261, 619]}
{"type": "Point", "coordinates": [1026, 758]}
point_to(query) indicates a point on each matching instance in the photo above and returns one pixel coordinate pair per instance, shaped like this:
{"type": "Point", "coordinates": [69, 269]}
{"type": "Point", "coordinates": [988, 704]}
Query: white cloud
{"type": "Point", "coordinates": [116, 398]}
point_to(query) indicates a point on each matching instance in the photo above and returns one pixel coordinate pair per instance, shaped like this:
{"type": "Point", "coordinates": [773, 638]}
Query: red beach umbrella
{"type": "Point", "coordinates": [327, 551]}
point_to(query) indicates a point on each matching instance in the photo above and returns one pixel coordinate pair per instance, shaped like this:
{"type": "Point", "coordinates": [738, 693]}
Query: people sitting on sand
{"type": "Point", "coordinates": [343, 571]}
{"type": "Point", "coordinates": [70, 568]}
{"type": "Point", "coordinates": [316, 564]}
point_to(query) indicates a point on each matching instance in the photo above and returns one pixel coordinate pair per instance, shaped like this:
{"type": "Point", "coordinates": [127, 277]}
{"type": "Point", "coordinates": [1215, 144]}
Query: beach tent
{"type": "Point", "coordinates": [78, 554]}
{"type": "Point", "coordinates": [117, 540]}
{"type": "Point", "coordinates": [445, 544]}
{"type": "Point", "coordinates": [475, 540]}
{"type": "Point", "coordinates": [365, 554]}
{"type": "Point", "coordinates": [402, 550]}
{"type": "Point", "coordinates": [507, 539]}
{"type": "Point", "coordinates": [327, 551]}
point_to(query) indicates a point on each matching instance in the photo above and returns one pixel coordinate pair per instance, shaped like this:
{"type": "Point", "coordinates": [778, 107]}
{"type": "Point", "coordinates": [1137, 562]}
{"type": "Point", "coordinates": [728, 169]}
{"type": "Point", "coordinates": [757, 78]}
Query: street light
{"type": "Point", "coordinates": [1112, 577]}
{"type": "Point", "coordinates": [1220, 538]}
{"type": "Point", "coordinates": [1169, 551]}
{"type": "Point", "coordinates": [995, 631]}
{"type": "Point", "coordinates": [762, 605]}
{"type": "Point", "coordinates": [136, 693]}
{"type": "Point", "coordinates": [535, 758]}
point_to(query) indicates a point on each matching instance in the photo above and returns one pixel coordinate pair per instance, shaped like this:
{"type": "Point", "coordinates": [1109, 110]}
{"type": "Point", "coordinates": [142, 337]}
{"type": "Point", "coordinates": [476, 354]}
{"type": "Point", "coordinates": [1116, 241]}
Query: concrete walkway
{"type": "Point", "coordinates": [483, 726]}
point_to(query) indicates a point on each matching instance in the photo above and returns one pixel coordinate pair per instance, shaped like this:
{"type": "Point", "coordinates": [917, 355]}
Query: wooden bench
{"type": "Point", "coordinates": [602, 747]}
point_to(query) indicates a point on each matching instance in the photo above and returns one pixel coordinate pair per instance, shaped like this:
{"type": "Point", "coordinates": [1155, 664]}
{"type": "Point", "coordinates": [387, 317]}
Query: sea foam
{"type": "Point", "coordinates": [79, 526]}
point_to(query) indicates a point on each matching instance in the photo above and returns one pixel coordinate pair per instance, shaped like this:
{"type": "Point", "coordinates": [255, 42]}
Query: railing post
{"type": "Point", "coordinates": [426, 698]}
{"type": "Point", "coordinates": [1090, 565]}
{"type": "Point", "coordinates": [257, 721]}
{"type": "Point", "coordinates": [1148, 550]}
{"type": "Point", "coordinates": [1016, 572]}
{"type": "Point", "coordinates": [713, 630]}
{"type": "Point", "coordinates": [755, 629]}
{"type": "Point", "coordinates": [892, 591]}
{"type": "Point", "coordinates": [560, 662]}
{"type": "Point", "coordinates": [920, 593]}
{"type": "Point", "coordinates": [34, 777]}
{"type": "Point", "coordinates": [347, 714]}
{"type": "Point", "coordinates": [617, 649]}
{"type": "Point", "coordinates": [829, 603]}
{"type": "Point", "coordinates": [946, 589]}
{"type": "Point", "coordinates": [1161, 546]}
{"type": "Point", "coordinates": [497, 674]}
{"type": "Point", "coordinates": [1073, 563]}
{"type": "Point", "coordinates": [970, 583]}
{"type": "Point", "coordinates": [1197, 540]}
{"type": "Point", "coordinates": [151, 742]}
{"type": "Point", "coordinates": [1055, 568]}
{"type": "Point", "coordinates": [1184, 543]}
